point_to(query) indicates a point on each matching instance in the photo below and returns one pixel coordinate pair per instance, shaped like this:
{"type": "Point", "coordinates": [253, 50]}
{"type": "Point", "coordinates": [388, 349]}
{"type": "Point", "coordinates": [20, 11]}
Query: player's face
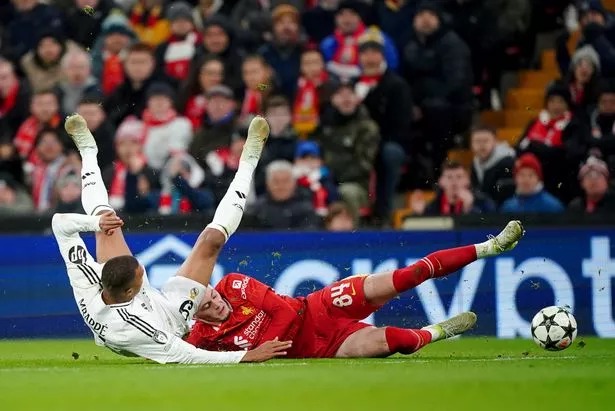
{"type": "Point", "coordinates": [214, 308]}
{"type": "Point", "coordinates": [211, 74]}
{"type": "Point", "coordinates": [136, 284]}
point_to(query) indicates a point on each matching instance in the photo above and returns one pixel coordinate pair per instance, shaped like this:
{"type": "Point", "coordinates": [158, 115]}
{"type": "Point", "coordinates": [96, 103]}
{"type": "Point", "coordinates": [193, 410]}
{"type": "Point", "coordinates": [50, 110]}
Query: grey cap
{"type": "Point", "coordinates": [220, 90]}
{"type": "Point", "coordinates": [179, 10]}
{"type": "Point", "coordinates": [586, 53]}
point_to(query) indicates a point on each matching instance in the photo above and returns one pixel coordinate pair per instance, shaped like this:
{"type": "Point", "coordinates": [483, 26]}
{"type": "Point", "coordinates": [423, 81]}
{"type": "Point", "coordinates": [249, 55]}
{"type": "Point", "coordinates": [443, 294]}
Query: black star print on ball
{"type": "Point", "coordinates": [568, 330]}
{"type": "Point", "coordinates": [550, 344]}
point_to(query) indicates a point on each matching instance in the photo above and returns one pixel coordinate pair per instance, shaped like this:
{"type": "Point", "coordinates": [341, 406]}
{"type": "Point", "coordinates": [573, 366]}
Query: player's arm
{"type": "Point", "coordinates": [158, 346]}
{"type": "Point", "coordinates": [80, 265]}
{"type": "Point", "coordinates": [282, 316]}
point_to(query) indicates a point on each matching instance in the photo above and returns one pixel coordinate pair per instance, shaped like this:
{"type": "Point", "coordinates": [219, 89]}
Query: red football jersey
{"type": "Point", "coordinates": [249, 319]}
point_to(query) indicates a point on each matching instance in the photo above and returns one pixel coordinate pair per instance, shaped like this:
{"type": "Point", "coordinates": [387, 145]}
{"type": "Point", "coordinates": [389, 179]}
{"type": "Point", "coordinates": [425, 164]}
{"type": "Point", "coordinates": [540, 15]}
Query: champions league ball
{"type": "Point", "coordinates": [554, 328]}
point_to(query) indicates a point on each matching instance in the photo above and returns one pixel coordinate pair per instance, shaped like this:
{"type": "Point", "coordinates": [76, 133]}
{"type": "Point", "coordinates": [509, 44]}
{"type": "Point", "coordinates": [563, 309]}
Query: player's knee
{"type": "Point", "coordinates": [211, 241]}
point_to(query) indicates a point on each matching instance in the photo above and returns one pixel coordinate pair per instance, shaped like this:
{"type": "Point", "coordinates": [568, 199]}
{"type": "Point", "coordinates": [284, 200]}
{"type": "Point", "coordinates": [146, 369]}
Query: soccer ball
{"type": "Point", "coordinates": [554, 328]}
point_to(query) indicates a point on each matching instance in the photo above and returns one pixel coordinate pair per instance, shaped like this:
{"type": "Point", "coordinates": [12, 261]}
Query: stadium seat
{"type": "Point", "coordinates": [492, 118]}
{"type": "Point", "coordinates": [525, 98]}
{"type": "Point", "coordinates": [510, 135]}
{"type": "Point", "coordinates": [548, 61]}
{"type": "Point", "coordinates": [519, 118]}
{"type": "Point", "coordinates": [609, 4]}
{"type": "Point", "coordinates": [400, 214]}
{"type": "Point", "coordinates": [536, 79]}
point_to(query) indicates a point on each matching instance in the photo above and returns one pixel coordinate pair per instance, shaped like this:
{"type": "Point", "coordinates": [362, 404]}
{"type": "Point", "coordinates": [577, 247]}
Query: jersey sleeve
{"type": "Point", "coordinates": [144, 340]}
{"type": "Point", "coordinates": [83, 271]}
{"type": "Point", "coordinates": [238, 288]}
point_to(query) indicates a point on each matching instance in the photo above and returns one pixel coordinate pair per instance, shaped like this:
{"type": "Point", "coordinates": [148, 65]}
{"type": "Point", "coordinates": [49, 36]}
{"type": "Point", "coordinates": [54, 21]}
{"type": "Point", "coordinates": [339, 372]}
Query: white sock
{"type": "Point", "coordinates": [94, 196]}
{"type": "Point", "coordinates": [230, 210]}
{"type": "Point", "coordinates": [485, 249]}
{"type": "Point", "coordinates": [435, 331]}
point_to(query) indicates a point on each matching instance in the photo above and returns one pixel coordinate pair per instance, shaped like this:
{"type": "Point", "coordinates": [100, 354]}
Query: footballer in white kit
{"type": "Point", "coordinates": [124, 312]}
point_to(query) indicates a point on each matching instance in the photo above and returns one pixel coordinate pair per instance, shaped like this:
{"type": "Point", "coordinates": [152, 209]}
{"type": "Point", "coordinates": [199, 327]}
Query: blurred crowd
{"type": "Point", "coordinates": [364, 100]}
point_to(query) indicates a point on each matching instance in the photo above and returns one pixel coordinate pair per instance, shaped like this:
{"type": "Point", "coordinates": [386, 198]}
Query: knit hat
{"type": "Point", "coordinates": [558, 88]}
{"type": "Point", "coordinates": [283, 10]}
{"type": "Point", "coordinates": [372, 38]}
{"type": "Point", "coordinates": [179, 10]}
{"type": "Point", "coordinates": [592, 5]}
{"type": "Point", "coordinates": [71, 176]}
{"type": "Point", "coordinates": [307, 148]}
{"type": "Point", "coordinates": [528, 160]}
{"type": "Point", "coordinates": [131, 128]}
{"type": "Point", "coordinates": [335, 84]}
{"type": "Point", "coordinates": [219, 21]}
{"type": "Point", "coordinates": [594, 164]}
{"type": "Point", "coordinates": [161, 89]}
{"type": "Point", "coordinates": [586, 53]}
{"type": "Point", "coordinates": [116, 23]}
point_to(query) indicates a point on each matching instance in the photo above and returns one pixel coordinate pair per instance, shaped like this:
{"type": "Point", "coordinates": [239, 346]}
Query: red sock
{"type": "Point", "coordinates": [406, 341]}
{"type": "Point", "coordinates": [435, 265]}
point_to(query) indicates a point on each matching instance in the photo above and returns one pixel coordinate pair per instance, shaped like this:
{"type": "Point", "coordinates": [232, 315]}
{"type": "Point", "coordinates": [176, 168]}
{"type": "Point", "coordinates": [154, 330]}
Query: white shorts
{"type": "Point", "coordinates": [184, 295]}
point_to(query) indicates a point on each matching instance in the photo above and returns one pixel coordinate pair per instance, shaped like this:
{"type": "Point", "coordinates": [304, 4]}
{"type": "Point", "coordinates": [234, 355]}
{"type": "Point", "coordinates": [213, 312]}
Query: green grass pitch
{"type": "Point", "coordinates": [467, 374]}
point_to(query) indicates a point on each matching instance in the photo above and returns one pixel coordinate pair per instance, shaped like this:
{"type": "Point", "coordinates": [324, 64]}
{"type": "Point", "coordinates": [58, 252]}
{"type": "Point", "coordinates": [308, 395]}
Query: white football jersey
{"type": "Point", "coordinates": [152, 324]}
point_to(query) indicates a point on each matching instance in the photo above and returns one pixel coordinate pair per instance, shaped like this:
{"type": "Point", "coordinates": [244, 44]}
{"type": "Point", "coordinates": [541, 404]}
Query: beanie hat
{"type": "Point", "coordinates": [179, 10]}
{"type": "Point", "coordinates": [131, 128]}
{"type": "Point", "coordinates": [529, 160]}
{"type": "Point", "coordinates": [594, 164]}
{"type": "Point", "coordinates": [372, 38]}
{"type": "Point", "coordinates": [283, 10]}
{"type": "Point", "coordinates": [586, 53]}
{"type": "Point", "coordinates": [558, 88]}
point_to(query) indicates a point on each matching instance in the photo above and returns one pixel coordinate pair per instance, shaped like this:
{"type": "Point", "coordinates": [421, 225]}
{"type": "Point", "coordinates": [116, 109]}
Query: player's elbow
{"type": "Point", "coordinates": [58, 224]}
{"type": "Point", "coordinates": [210, 242]}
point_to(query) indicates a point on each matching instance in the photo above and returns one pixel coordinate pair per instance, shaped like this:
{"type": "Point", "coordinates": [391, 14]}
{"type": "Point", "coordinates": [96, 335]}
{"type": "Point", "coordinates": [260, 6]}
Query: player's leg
{"type": "Point", "coordinates": [381, 288]}
{"type": "Point", "coordinates": [384, 341]}
{"type": "Point", "coordinates": [94, 197]}
{"type": "Point", "coordinates": [200, 263]}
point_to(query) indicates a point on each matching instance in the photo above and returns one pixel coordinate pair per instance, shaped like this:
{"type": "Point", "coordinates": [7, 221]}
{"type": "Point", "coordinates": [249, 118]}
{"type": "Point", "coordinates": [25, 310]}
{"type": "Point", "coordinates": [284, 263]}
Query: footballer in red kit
{"type": "Point", "coordinates": [241, 312]}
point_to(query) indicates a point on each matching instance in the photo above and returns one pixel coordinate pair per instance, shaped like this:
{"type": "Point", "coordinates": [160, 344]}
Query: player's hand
{"type": "Point", "coordinates": [109, 222]}
{"type": "Point", "coordinates": [267, 351]}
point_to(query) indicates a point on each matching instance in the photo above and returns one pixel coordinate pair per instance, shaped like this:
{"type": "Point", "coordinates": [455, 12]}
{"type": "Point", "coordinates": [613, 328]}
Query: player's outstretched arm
{"type": "Point", "coordinates": [200, 263]}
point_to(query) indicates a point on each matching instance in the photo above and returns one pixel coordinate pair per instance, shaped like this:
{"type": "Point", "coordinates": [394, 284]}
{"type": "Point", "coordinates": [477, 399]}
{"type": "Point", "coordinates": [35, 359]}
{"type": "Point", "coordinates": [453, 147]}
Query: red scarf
{"type": "Point", "coordinates": [112, 74]}
{"type": "Point", "coordinates": [348, 46]}
{"type": "Point", "coordinates": [306, 108]}
{"type": "Point", "coordinates": [547, 130]}
{"type": "Point", "coordinates": [446, 208]}
{"type": "Point", "coordinates": [9, 101]}
{"type": "Point", "coordinates": [26, 134]}
{"type": "Point", "coordinates": [140, 16]}
{"type": "Point", "coordinates": [251, 103]}
{"type": "Point", "coordinates": [150, 121]}
{"type": "Point", "coordinates": [44, 177]}
{"type": "Point", "coordinates": [196, 108]}
{"type": "Point", "coordinates": [179, 54]}
{"type": "Point", "coordinates": [117, 190]}
{"type": "Point", "coordinates": [577, 93]}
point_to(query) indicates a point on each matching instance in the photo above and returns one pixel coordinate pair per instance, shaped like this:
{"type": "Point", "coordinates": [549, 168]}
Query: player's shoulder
{"type": "Point", "coordinates": [233, 281]}
{"type": "Point", "coordinates": [129, 324]}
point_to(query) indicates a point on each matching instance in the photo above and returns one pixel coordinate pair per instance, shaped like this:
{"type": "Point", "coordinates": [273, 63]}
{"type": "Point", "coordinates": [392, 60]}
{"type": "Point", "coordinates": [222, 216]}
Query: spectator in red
{"type": "Point", "coordinates": [129, 98]}
{"type": "Point", "coordinates": [209, 73]}
{"type": "Point", "coordinates": [283, 52]}
{"type": "Point", "coordinates": [218, 125]}
{"type": "Point", "coordinates": [149, 22]}
{"type": "Point", "coordinates": [91, 110]}
{"type": "Point", "coordinates": [312, 174]}
{"type": "Point", "coordinates": [221, 164]}
{"type": "Point", "coordinates": [44, 113]}
{"type": "Point", "coordinates": [219, 40]}
{"type": "Point", "coordinates": [50, 153]}
{"type": "Point", "coordinates": [311, 92]}
{"type": "Point", "coordinates": [128, 179]}
{"type": "Point", "coordinates": [455, 195]}
{"type": "Point", "coordinates": [14, 99]}
{"type": "Point", "coordinates": [166, 133]}
{"type": "Point", "coordinates": [257, 78]}
{"type": "Point", "coordinates": [30, 19]}
{"type": "Point", "coordinates": [584, 81]}
{"type": "Point", "coordinates": [597, 198]}
{"type": "Point", "coordinates": [77, 79]}
{"type": "Point", "coordinates": [42, 64]}
{"type": "Point", "coordinates": [85, 18]}
{"type": "Point", "coordinates": [558, 139]}
{"type": "Point", "coordinates": [176, 54]}
{"type": "Point", "coordinates": [341, 49]}
{"type": "Point", "coordinates": [109, 52]}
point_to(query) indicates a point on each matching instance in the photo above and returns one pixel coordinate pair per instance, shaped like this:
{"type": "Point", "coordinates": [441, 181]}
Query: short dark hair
{"type": "Point", "coordinates": [451, 165]}
{"type": "Point", "coordinates": [44, 92]}
{"type": "Point", "coordinates": [118, 273]}
{"type": "Point", "coordinates": [48, 130]}
{"type": "Point", "coordinates": [478, 128]}
{"type": "Point", "coordinates": [141, 48]}
{"type": "Point", "coordinates": [275, 101]}
{"type": "Point", "coordinates": [336, 209]}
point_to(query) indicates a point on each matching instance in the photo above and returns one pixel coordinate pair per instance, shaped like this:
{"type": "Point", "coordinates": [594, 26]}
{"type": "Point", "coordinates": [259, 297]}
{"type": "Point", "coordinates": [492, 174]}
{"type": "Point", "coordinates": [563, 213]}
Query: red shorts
{"type": "Point", "coordinates": [330, 316]}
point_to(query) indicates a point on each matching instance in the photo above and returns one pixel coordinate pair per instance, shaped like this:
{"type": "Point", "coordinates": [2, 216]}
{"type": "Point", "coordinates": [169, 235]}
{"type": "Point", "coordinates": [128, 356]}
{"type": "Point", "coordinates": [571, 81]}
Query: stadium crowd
{"type": "Point", "coordinates": [364, 100]}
